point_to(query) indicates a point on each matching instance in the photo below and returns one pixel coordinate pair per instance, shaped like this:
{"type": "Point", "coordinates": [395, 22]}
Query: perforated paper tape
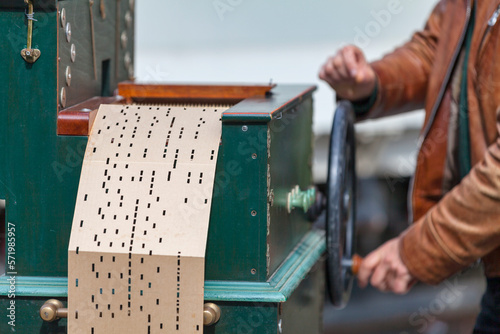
{"type": "Point", "coordinates": [137, 246]}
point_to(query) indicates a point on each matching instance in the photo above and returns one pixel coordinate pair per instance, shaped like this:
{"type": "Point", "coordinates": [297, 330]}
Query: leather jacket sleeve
{"type": "Point", "coordinates": [462, 227]}
{"type": "Point", "coordinates": [403, 75]}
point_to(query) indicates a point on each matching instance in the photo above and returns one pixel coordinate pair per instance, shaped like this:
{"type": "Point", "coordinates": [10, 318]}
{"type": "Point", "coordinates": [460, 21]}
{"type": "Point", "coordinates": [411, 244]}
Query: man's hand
{"type": "Point", "coordinates": [349, 74]}
{"type": "Point", "coordinates": [386, 269]}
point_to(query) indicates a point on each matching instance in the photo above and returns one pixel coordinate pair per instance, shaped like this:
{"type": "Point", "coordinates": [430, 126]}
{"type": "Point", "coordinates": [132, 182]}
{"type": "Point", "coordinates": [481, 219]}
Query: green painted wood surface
{"type": "Point", "coordinates": [265, 109]}
{"type": "Point", "coordinates": [290, 161]}
{"type": "Point", "coordinates": [242, 318]}
{"type": "Point", "coordinates": [39, 171]}
{"type": "Point", "coordinates": [281, 144]}
{"type": "Point", "coordinates": [277, 289]}
{"type": "Point", "coordinates": [237, 239]}
{"type": "Point", "coordinates": [46, 5]}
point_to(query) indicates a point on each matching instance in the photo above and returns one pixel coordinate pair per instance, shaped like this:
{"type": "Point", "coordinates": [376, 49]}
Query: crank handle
{"type": "Point", "coordinates": [353, 264]}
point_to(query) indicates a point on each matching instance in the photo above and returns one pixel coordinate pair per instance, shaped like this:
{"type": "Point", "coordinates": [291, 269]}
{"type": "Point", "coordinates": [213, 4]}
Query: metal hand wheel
{"type": "Point", "coordinates": [340, 207]}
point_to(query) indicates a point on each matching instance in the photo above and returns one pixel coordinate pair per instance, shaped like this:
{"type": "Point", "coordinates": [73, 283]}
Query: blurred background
{"type": "Point", "coordinates": [286, 41]}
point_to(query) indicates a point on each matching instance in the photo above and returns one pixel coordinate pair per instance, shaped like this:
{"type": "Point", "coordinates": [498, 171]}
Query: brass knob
{"type": "Point", "coordinates": [211, 314]}
{"type": "Point", "coordinates": [53, 310]}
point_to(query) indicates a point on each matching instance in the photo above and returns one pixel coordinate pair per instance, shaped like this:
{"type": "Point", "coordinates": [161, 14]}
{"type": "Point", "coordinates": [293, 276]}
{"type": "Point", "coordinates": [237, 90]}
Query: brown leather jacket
{"type": "Point", "coordinates": [453, 227]}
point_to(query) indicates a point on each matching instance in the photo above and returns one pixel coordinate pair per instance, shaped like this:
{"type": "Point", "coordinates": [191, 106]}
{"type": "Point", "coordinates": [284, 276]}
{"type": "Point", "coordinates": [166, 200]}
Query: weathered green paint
{"type": "Point", "coordinates": [46, 5]}
{"type": "Point", "coordinates": [281, 144]}
{"type": "Point", "coordinates": [291, 162]}
{"type": "Point", "coordinates": [237, 235]}
{"type": "Point", "coordinates": [242, 318]}
{"type": "Point", "coordinates": [39, 170]}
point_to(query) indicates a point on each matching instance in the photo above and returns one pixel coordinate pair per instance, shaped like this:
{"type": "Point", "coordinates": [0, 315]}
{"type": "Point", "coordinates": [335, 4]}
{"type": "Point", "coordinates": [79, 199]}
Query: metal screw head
{"type": "Point", "coordinates": [131, 72]}
{"type": "Point", "coordinates": [253, 271]}
{"type": "Point", "coordinates": [127, 60]}
{"type": "Point", "coordinates": [63, 17]}
{"type": "Point", "coordinates": [28, 53]}
{"type": "Point", "coordinates": [63, 97]}
{"type": "Point", "coordinates": [124, 39]}
{"type": "Point", "coordinates": [254, 156]}
{"type": "Point", "coordinates": [244, 128]}
{"type": "Point", "coordinates": [68, 76]}
{"type": "Point", "coordinates": [68, 32]}
{"type": "Point", "coordinates": [128, 19]}
{"type": "Point", "coordinates": [253, 213]}
{"type": "Point", "coordinates": [73, 53]}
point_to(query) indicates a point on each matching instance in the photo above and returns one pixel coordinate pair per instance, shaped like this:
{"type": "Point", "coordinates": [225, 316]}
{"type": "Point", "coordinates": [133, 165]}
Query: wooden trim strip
{"type": "Point", "coordinates": [77, 120]}
{"type": "Point", "coordinates": [135, 92]}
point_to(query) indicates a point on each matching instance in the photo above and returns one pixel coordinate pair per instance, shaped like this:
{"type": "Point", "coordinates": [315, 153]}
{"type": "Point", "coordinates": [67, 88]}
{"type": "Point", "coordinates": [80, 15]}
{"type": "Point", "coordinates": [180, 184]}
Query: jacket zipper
{"type": "Point", "coordinates": [491, 23]}
{"type": "Point", "coordinates": [442, 91]}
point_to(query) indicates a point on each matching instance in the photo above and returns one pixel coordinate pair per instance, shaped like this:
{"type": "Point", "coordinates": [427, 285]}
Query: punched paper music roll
{"type": "Point", "coordinates": [137, 246]}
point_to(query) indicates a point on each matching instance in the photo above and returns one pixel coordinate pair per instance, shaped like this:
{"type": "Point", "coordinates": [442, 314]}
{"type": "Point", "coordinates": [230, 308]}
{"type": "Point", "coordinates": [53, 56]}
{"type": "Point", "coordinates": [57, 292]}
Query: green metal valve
{"type": "Point", "coordinates": [300, 199]}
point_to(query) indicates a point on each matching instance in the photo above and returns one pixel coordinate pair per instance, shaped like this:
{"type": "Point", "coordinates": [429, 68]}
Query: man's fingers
{"type": "Point", "coordinates": [400, 284]}
{"type": "Point", "coordinates": [379, 277]}
{"type": "Point", "coordinates": [327, 73]}
{"type": "Point", "coordinates": [367, 267]}
{"type": "Point", "coordinates": [352, 60]}
{"type": "Point", "coordinates": [341, 68]}
{"type": "Point", "coordinates": [347, 74]}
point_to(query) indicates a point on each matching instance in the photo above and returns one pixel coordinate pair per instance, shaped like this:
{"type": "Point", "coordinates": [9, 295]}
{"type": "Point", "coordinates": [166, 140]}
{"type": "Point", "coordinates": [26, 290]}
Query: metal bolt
{"type": "Point", "coordinates": [63, 97]}
{"type": "Point", "coordinates": [131, 72]}
{"type": "Point", "coordinates": [128, 19]}
{"type": "Point", "coordinates": [68, 76]}
{"type": "Point", "coordinates": [124, 39]}
{"type": "Point", "coordinates": [254, 213]}
{"type": "Point", "coordinates": [73, 53]}
{"type": "Point", "coordinates": [63, 17]}
{"type": "Point", "coordinates": [28, 53]}
{"type": "Point", "coordinates": [244, 128]}
{"type": "Point", "coordinates": [68, 32]}
{"type": "Point", "coordinates": [254, 156]}
{"type": "Point", "coordinates": [127, 60]}
{"type": "Point", "coordinates": [253, 271]}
